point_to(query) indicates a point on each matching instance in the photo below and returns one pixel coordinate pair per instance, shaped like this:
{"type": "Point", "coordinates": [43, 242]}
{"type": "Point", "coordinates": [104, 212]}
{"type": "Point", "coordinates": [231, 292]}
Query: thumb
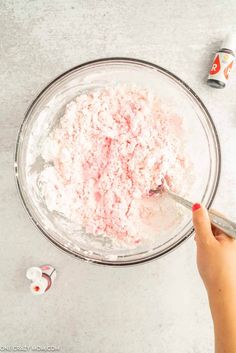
{"type": "Point", "coordinates": [202, 224]}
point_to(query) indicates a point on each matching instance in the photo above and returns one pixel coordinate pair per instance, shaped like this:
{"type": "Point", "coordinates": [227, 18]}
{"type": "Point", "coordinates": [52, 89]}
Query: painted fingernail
{"type": "Point", "coordinates": [196, 206]}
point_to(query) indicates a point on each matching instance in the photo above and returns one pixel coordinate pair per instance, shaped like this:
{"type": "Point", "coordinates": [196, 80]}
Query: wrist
{"type": "Point", "coordinates": [223, 310]}
{"type": "Point", "coordinates": [222, 299]}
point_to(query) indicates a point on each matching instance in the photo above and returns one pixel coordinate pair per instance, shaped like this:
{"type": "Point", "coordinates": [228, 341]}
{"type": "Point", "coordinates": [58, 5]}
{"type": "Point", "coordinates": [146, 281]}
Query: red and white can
{"type": "Point", "coordinates": [42, 278]}
{"type": "Point", "coordinates": [223, 63]}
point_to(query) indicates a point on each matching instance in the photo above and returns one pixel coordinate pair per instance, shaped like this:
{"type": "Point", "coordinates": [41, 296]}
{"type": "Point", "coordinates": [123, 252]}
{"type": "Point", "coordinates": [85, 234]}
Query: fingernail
{"type": "Point", "coordinates": [196, 206]}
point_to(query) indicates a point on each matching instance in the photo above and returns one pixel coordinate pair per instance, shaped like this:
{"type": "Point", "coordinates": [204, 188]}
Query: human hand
{"type": "Point", "coordinates": [216, 260]}
{"type": "Point", "coordinates": [216, 254]}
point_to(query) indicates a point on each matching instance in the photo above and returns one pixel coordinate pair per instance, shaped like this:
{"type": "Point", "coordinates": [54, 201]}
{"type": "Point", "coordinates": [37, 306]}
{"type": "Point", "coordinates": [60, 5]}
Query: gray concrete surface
{"type": "Point", "coordinates": [158, 307]}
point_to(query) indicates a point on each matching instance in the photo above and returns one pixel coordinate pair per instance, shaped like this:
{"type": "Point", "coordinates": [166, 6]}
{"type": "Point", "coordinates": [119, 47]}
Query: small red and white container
{"type": "Point", "coordinates": [223, 63]}
{"type": "Point", "coordinates": [42, 278]}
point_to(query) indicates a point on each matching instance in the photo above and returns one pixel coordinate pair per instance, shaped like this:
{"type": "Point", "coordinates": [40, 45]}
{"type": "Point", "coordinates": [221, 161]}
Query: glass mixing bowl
{"type": "Point", "coordinates": [48, 107]}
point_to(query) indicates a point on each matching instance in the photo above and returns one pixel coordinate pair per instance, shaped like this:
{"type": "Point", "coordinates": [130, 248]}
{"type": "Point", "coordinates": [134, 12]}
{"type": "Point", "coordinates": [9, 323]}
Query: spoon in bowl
{"type": "Point", "coordinates": [225, 225]}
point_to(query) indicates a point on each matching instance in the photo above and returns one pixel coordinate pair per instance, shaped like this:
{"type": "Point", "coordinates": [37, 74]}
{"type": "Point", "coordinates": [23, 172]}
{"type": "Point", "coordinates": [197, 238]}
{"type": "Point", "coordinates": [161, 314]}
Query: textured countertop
{"type": "Point", "coordinates": [157, 307]}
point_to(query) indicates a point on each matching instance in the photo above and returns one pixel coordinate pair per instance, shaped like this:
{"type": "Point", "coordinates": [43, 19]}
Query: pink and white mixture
{"type": "Point", "coordinates": [109, 149]}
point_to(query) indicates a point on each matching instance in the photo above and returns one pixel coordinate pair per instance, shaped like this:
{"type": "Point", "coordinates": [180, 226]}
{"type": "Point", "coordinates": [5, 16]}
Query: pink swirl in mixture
{"type": "Point", "coordinates": [110, 148]}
